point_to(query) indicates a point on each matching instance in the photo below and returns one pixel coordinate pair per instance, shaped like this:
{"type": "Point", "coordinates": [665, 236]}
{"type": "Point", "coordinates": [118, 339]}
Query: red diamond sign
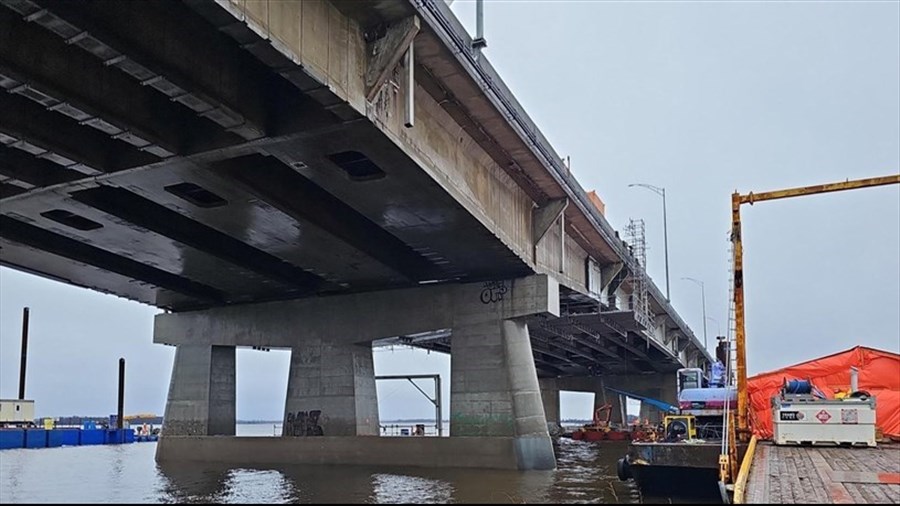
{"type": "Point", "coordinates": [823, 416]}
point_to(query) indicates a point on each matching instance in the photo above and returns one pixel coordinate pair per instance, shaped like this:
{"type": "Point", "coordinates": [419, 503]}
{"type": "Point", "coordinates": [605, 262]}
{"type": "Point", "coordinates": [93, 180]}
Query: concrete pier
{"type": "Point", "coordinates": [494, 389]}
{"type": "Point", "coordinates": [202, 392]}
{"type": "Point", "coordinates": [550, 399]}
{"type": "Point", "coordinates": [496, 402]}
{"type": "Point", "coordinates": [333, 386]}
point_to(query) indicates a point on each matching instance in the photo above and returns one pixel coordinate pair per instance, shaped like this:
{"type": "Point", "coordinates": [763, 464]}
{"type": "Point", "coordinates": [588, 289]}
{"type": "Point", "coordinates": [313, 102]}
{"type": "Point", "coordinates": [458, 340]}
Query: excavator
{"type": "Point", "coordinates": [600, 429]}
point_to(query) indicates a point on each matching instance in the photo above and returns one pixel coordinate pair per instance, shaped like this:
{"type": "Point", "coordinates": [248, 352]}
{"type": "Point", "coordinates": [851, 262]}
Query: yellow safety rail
{"type": "Point", "coordinates": [740, 485]}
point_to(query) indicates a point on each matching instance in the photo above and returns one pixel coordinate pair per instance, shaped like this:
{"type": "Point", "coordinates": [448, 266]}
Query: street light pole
{"type": "Point", "coordinates": [666, 242]}
{"type": "Point", "coordinates": [661, 192]}
{"type": "Point", "coordinates": [718, 327]}
{"type": "Point", "coordinates": [703, 301]}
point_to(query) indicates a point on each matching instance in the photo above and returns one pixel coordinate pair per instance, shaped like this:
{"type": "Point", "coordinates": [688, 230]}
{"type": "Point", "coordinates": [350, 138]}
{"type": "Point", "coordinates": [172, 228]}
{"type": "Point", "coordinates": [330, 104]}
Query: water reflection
{"type": "Point", "coordinates": [192, 482]}
{"type": "Point", "coordinates": [401, 489]}
{"type": "Point", "coordinates": [585, 474]}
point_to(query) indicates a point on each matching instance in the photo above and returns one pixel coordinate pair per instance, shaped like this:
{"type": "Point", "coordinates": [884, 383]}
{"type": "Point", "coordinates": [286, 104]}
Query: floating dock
{"type": "Point", "coordinates": [50, 438]}
{"type": "Point", "coordinates": [825, 475]}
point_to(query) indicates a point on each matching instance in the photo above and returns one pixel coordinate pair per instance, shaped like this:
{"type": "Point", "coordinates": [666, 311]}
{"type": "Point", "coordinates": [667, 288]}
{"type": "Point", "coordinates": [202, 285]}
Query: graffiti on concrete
{"type": "Point", "coordinates": [304, 423]}
{"type": "Point", "coordinates": [493, 291]}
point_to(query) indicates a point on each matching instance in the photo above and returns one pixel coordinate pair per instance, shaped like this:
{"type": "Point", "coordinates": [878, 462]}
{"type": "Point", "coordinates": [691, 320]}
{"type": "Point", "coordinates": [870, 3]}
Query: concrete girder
{"type": "Point", "coordinates": [625, 345]}
{"type": "Point", "coordinates": [147, 214]}
{"type": "Point", "coordinates": [38, 238]}
{"type": "Point", "coordinates": [166, 46]}
{"type": "Point", "coordinates": [99, 96]}
{"type": "Point", "coordinates": [545, 366]}
{"type": "Point", "coordinates": [62, 140]}
{"type": "Point", "coordinates": [8, 189]}
{"type": "Point", "coordinates": [298, 197]}
{"type": "Point", "coordinates": [36, 172]}
{"type": "Point", "coordinates": [18, 184]}
{"type": "Point", "coordinates": [359, 317]}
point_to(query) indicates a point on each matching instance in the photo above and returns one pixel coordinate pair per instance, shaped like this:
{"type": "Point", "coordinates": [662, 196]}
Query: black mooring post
{"type": "Point", "coordinates": [24, 354]}
{"type": "Point", "coordinates": [121, 413]}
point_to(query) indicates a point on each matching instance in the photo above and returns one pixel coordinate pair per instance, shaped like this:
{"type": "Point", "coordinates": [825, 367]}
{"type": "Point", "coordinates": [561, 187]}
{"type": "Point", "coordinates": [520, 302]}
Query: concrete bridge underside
{"type": "Point", "coordinates": [243, 163]}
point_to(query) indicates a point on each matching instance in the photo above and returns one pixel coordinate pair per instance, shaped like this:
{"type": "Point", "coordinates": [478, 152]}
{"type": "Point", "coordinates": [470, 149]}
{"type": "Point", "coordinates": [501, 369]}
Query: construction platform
{"type": "Point", "coordinates": [824, 475]}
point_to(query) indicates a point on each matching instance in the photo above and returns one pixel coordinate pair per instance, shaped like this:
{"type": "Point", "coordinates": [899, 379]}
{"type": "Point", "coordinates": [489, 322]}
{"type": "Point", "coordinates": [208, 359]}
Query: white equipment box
{"type": "Point", "coordinates": [16, 412]}
{"type": "Point", "coordinates": [805, 419]}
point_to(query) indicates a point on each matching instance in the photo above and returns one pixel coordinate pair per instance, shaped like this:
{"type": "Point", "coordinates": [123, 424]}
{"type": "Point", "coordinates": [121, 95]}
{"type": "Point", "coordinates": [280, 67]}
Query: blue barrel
{"type": "Point", "coordinates": [35, 438]}
{"type": "Point", "coordinates": [12, 438]}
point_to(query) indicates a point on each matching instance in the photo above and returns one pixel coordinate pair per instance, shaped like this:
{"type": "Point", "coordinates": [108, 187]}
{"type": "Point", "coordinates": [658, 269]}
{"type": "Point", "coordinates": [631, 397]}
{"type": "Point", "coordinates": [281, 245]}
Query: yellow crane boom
{"type": "Point", "coordinates": [728, 465]}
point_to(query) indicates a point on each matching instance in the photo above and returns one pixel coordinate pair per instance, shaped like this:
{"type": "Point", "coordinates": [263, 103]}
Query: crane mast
{"type": "Point", "coordinates": [743, 425]}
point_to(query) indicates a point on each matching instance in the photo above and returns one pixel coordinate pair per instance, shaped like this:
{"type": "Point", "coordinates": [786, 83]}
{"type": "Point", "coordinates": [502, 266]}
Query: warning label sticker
{"type": "Point", "coordinates": [823, 416]}
{"type": "Point", "coordinates": [849, 416]}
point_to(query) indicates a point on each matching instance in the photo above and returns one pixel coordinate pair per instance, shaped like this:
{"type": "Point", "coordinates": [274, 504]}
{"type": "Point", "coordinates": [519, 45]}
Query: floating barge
{"type": "Point", "coordinates": [689, 469]}
{"type": "Point", "coordinates": [12, 438]}
{"type": "Point", "coordinates": [803, 475]}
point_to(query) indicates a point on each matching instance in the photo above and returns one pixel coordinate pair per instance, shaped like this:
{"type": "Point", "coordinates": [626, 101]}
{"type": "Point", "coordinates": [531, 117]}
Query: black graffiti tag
{"type": "Point", "coordinates": [493, 291]}
{"type": "Point", "coordinates": [303, 424]}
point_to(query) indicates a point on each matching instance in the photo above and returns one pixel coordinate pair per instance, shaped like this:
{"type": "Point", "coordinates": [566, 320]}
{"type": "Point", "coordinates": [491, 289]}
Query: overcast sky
{"type": "Point", "coordinates": [701, 98]}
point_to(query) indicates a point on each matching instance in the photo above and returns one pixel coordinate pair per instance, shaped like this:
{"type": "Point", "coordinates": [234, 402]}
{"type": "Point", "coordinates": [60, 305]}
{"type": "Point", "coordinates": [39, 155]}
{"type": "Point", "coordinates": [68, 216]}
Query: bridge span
{"type": "Point", "coordinates": [321, 176]}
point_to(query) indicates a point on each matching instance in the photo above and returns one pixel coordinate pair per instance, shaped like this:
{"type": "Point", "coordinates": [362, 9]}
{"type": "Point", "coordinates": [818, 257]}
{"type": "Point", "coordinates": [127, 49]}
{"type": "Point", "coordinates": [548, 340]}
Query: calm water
{"type": "Point", "coordinates": [129, 474]}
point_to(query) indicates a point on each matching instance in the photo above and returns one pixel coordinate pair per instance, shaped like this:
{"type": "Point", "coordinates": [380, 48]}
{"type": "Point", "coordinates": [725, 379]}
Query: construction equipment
{"type": "Point", "coordinates": [700, 402]}
{"type": "Point", "coordinates": [802, 415]}
{"type": "Point", "coordinates": [728, 460]}
{"type": "Point", "coordinates": [599, 419]}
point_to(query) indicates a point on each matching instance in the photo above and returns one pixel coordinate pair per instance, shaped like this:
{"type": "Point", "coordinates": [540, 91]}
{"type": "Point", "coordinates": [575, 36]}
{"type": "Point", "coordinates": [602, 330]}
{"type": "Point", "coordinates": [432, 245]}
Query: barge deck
{"type": "Point", "coordinates": [824, 475]}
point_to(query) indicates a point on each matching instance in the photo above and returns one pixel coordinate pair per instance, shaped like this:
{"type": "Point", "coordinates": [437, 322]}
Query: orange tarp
{"type": "Point", "coordinates": [879, 374]}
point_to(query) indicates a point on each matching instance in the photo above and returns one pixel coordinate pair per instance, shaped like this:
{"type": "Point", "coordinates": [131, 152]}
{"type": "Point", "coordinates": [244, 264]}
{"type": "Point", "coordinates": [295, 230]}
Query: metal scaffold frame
{"type": "Point", "coordinates": [640, 299]}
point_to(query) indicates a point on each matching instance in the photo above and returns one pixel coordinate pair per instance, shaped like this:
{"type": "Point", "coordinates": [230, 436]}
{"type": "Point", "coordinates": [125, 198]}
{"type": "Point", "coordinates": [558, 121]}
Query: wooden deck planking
{"type": "Point", "coordinates": [824, 475]}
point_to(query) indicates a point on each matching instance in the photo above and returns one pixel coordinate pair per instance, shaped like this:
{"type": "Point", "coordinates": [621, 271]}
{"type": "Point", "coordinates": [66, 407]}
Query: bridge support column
{"type": "Point", "coordinates": [494, 389]}
{"type": "Point", "coordinates": [331, 391]}
{"type": "Point", "coordinates": [550, 400]}
{"type": "Point", "coordinates": [497, 417]}
{"type": "Point", "coordinates": [201, 392]}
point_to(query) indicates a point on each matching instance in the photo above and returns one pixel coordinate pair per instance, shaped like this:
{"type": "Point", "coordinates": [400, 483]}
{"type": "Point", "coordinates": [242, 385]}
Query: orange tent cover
{"type": "Point", "coordinates": [879, 374]}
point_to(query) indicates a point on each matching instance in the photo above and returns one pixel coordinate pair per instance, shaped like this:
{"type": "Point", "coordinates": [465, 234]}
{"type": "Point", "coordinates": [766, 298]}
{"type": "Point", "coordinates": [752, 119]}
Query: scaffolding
{"type": "Point", "coordinates": [640, 300]}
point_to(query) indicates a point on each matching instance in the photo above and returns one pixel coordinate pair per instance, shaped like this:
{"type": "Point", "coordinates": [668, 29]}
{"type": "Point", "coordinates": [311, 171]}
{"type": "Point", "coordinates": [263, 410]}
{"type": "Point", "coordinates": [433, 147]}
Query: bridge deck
{"type": "Point", "coordinates": [803, 475]}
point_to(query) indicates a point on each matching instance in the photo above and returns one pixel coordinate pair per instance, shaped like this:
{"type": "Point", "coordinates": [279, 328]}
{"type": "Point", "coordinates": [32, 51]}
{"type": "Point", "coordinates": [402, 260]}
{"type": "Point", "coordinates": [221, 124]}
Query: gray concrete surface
{"type": "Point", "coordinates": [201, 399]}
{"type": "Point", "coordinates": [473, 452]}
{"type": "Point", "coordinates": [338, 380]}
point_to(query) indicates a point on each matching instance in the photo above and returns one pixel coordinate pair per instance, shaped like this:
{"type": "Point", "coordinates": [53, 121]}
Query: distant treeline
{"type": "Point", "coordinates": [100, 420]}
